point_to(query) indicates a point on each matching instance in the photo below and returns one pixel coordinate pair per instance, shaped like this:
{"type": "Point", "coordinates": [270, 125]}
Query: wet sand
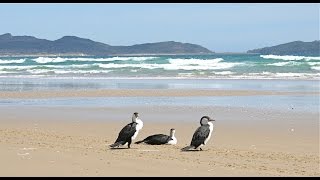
{"type": "Point", "coordinates": [141, 93]}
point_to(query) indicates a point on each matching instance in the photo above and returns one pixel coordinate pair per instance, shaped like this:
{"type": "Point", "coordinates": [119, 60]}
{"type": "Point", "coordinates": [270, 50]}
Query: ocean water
{"type": "Point", "coordinates": [217, 66]}
{"type": "Point", "coordinates": [209, 72]}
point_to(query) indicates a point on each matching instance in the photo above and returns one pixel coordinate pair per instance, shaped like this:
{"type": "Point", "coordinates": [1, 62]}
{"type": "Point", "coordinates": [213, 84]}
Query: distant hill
{"type": "Point", "coordinates": [19, 45]}
{"type": "Point", "coordinates": [298, 48]}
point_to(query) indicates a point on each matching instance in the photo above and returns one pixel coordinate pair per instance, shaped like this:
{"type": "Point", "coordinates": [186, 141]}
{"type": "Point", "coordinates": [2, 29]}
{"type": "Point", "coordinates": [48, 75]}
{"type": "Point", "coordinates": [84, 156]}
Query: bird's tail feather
{"type": "Point", "coordinates": [138, 142]}
{"type": "Point", "coordinates": [115, 144]}
{"type": "Point", "coordinates": [187, 148]}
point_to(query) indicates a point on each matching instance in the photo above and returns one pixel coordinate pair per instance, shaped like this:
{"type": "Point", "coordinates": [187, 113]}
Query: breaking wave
{"type": "Point", "coordinates": [289, 58]}
{"type": "Point", "coordinates": [12, 61]}
{"type": "Point", "coordinates": [44, 60]}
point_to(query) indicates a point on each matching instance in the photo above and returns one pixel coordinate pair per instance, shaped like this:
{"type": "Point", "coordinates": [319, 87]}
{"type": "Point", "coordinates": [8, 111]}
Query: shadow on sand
{"type": "Point", "coordinates": [192, 150]}
{"type": "Point", "coordinates": [121, 148]}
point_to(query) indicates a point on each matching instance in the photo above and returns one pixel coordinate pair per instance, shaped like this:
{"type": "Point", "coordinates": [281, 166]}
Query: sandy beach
{"type": "Point", "coordinates": [73, 141]}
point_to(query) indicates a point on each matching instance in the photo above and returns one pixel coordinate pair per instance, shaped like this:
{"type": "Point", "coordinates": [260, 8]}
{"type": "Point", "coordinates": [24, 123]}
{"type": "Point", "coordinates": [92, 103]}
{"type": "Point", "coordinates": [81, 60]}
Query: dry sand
{"type": "Point", "coordinates": [63, 141]}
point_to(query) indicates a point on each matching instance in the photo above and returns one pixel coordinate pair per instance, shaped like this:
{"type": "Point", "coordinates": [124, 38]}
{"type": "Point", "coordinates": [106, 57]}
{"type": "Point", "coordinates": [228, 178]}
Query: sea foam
{"type": "Point", "coordinates": [289, 63]}
{"type": "Point", "coordinates": [289, 58]}
{"type": "Point", "coordinates": [44, 60]}
{"type": "Point", "coordinates": [316, 68]}
{"type": "Point", "coordinates": [12, 61]}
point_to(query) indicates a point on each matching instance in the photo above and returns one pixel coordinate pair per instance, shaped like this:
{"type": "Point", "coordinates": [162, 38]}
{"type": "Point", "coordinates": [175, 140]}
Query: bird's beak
{"type": "Point", "coordinates": [212, 120]}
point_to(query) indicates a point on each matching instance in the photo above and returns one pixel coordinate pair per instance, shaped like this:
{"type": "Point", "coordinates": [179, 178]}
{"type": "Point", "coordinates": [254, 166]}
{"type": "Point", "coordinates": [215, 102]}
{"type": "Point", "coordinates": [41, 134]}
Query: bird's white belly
{"type": "Point", "coordinates": [211, 129]}
{"type": "Point", "coordinates": [138, 128]}
{"type": "Point", "coordinates": [135, 135]}
{"type": "Point", "coordinates": [173, 141]}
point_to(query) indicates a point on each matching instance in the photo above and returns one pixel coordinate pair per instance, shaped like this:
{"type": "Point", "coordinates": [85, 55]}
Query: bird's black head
{"type": "Point", "coordinates": [135, 116]}
{"type": "Point", "coordinates": [205, 119]}
{"type": "Point", "coordinates": [172, 131]}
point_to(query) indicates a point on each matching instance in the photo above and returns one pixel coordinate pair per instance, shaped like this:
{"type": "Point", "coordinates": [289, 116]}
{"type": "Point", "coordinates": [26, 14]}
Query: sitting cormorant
{"type": "Point", "coordinates": [159, 139]}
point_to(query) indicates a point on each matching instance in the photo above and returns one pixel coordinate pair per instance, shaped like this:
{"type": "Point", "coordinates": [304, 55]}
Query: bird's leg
{"type": "Point", "coordinates": [129, 143]}
{"type": "Point", "coordinates": [200, 149]}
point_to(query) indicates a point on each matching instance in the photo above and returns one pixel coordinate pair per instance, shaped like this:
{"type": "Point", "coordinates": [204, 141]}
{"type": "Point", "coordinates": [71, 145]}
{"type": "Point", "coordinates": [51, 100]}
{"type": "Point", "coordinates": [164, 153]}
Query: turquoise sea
{"type": "Point", "coordinates": [217, 66]}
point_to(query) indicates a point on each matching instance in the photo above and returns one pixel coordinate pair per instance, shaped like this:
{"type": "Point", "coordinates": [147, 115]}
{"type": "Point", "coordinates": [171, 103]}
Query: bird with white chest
{"type": "Point", "coordinates": [202, 135]}
{"type": "Point", "coordinates": [129, 132]}
{"type": "Point", "coordinates": [159, 139]}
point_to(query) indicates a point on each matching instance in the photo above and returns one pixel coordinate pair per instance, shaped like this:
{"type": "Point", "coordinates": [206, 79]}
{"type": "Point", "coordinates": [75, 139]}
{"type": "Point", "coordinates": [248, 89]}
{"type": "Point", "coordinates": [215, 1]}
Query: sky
{"type": "Point", "coordinates": [220, 27]}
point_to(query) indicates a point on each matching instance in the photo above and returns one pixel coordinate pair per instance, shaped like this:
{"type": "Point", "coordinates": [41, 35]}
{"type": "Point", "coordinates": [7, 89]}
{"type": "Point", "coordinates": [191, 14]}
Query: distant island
{"type": "Point", "coordinates": [76, 46]}
{"type": "Point", "coordinates": [72, 45]}
{"type": "Point", "coordinates": [297, 48]}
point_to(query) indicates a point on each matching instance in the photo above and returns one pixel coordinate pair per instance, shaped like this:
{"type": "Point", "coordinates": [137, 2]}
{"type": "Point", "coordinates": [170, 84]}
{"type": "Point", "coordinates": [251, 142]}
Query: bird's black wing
{"type": "Point", "coordinates": [127, 132]}
{"type": "Point", "coordinates": [157, 139]}
{"type": "Point", "coordinates": [200, 135]}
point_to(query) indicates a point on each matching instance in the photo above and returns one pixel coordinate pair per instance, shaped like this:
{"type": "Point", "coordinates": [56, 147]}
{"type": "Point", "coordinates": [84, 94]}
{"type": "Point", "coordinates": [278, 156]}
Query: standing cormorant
{"type": "Point", "coordinates": [202, 135]}
{"type": "Point", "coordinates": [129, 132]}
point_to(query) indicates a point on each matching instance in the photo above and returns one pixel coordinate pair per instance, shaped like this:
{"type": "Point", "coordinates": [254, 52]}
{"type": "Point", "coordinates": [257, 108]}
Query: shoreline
{"type": "Point", "coordinates": [157, 78]}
